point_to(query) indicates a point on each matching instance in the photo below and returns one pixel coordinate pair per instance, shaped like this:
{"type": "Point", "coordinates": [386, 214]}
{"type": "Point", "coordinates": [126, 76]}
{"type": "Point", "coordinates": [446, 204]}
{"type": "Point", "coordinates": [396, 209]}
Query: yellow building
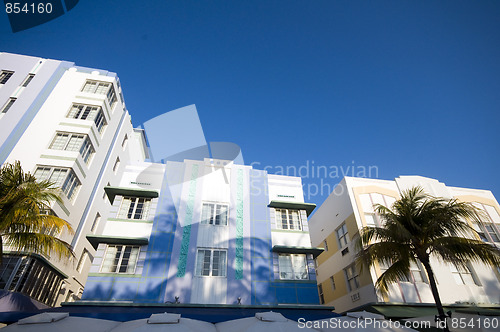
{"type": "Point", "coordinates": [335, 227]}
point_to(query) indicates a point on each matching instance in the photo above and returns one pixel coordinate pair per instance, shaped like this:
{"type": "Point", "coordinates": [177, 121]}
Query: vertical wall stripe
{"type": "Point", "coordinates": [186, 231]}
{"type": "Point", "coordinates": [239, 226]}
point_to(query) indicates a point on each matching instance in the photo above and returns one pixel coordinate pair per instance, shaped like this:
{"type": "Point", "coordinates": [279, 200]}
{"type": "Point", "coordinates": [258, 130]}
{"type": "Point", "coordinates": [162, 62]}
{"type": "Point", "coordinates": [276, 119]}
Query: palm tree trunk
{"type": "Point", "coordinates": [435, 293]}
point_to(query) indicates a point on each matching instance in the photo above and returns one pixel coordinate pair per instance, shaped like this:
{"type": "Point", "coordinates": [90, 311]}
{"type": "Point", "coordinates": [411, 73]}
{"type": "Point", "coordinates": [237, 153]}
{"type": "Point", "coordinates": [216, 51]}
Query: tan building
{"type": "Point", "coordinates": [336, 225]}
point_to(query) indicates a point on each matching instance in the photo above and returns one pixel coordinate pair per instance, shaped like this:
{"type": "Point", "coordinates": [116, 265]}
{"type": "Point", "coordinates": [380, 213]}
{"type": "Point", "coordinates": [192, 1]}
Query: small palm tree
{"type": "Point", "coordinates": [25, 221]}
{"type": "Point", "coordinates": [419, 226]}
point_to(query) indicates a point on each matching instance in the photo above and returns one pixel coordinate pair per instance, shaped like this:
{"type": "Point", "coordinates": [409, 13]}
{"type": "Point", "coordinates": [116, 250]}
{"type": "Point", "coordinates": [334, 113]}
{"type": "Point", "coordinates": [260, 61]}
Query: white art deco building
{"type": "Point", "coordinates": [194, 227]}
{"type": "Point", "coordinates": [67, 124]}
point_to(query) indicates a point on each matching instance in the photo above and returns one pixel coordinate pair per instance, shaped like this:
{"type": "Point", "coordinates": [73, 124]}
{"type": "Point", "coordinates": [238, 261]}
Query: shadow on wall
{"type": "Point", "coordinates": [257, 286]}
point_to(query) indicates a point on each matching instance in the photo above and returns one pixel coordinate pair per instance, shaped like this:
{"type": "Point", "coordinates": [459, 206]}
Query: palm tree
{"type": "Point", "coordinates": [25, 221]}
{"type": "Point", "coordinates": [419, 226]}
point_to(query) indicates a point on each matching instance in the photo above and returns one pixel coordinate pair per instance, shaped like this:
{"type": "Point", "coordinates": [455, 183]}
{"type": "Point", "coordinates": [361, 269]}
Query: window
{"type": "Point", "coordinates": [120, 259]}
{"type": "Point", "coordinates": [214, 214]}
{"type": "Point", "coordinates": [5, 75]}
{"type": "Point", "coordinates": [321, 296]}
{"type": "Point", "coordinates": [8, 105]}
{"type": "Point", "coordinates": [288, 219]}
{"type": "Point", "coordinates": [96, 222]}
{"type": "Point", "coordinates": [332, 282]}
{"type": "Point", "coordinates": [370, 220]}
{"type": "Point", "coordinates": [342, 235]}
{"type": "Point", "coordinates": [29, 276]}
{"type": "Point", "coordinates": [293, 267]}
{"type": "Point", "coordinates": [70, 297]}
{"type": "Point", "coordinates": [81, 262]}
{"type": "Point", "coordinates": [463, 275]}
{"type": "Point", "coordinates": [63, 178]}
{"type": "Point", "coordinates": [89, 113]}
{"type": "Point", "coordinates": [415, 274]}
{"type": "Point", "coordinates": [490, 230]}
{"type": "Point", "coordinates": [211, 263]}
{"type": "Point", "coordinates": [352, 277]}
{"type": "Point", "coordinates": [73, 142]}
{"type": "Point", "coordinates": [101, 88]}
{"type": "Point", "coordinates": [124, 142]}
{"type": "Point", "coordinates": [27, 80]}
{"type": "Point", "coordinates": [325, 244]}
{"type": "Point", "coordinates": [134, 208]}
{"type": "Point", "coordinates": [116, 165]}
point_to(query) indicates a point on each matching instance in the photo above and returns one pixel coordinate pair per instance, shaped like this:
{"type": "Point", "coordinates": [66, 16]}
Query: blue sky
{"type": "Point", "coordinates": [411, 87]}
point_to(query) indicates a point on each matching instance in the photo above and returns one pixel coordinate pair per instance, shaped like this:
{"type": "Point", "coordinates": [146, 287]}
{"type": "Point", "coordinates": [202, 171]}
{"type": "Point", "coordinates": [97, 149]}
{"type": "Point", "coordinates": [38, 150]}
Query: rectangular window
{"type": "Point", "coordinates": [89, 113]}
{"type": "Point", "coordinates": [73, 142]}
{"type": "Point", "coordinates": [214, 214]}
{"type": "Point", "coordinates": [134, 208]}
{"type": "Point", "coordinates": [352, 277]}
{"type": "Point", "coordinates": [288, 219]}
{"type": "Point", "coordinates": [370, 220]}
{"type": "Point", "coordinates": [293, 267]}
{"type": "Point", "coordinates": [124, 142]}
{"type": "Point", "coordinates": [489, 229]}
{"type": "Point", "coordinates": [27, 80]}
{"type": "Point", "coordinates": [342, 236]}
{"type": "Point", "coordinates": [81, 262]}
{"type": "Point", "coordinates": [8, 105]}
{"type": "Point", "coordinates": [325, 244]}
{"type": "Point", "coordinates": [321, 296]}
{"type": "Point", "coordinates": [63, 178]}
{"type": "Point", "coordinates": [463, 275]}
{"type": "Point", "coordinates": [116, 165]}
{"type": "Point", "coordinates": [211, 263]}
{"type": "Point", "coordinates": [415, 274]}
{"type": "Point", "coordinates": [101, 88]}
{"type": "Point", "coordinates": [120, 259]}
{"type": "Point", "coordinates": [96, 222]}
{"type": "Point", "coordinates": [332, 282]}
{"type": "Point", "coordinates": [5, 75]}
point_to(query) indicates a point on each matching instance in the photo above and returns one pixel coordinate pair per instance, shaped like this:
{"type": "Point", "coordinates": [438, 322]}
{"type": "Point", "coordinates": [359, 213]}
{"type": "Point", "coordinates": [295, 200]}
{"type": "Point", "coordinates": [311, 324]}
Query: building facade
{"type": "Point", "coordinates": [192, 231]}
{"type": "Point", "coordinates": [67, 124]}
{"type": "Point", "coordinates": [209, 231]}
{"type": "Point", "coordinates": [336, 224]}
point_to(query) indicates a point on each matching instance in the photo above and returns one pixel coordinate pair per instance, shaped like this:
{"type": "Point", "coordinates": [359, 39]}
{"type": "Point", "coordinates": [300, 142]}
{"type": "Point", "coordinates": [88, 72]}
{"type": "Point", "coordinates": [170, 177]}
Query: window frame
{"type": "Point", "coordinates": [214, 217]}
{"type": "Point", "coordinates": [27, 80]}
{"type": "Point", "coordinates": [117, 262]}
{"type": "Point", "coordinates": [200, 268]}
{"type": "Point", "coordinates": [68, 183]}
{"type": "Point", "coordinates": [352, 274]}
{"type": "Point", "coordinates": [290, 225]}
{"type": "Point", "coordinates": [344, 237]}
{"type": "Point", "coordinates": [293, 265]}
{"type": "Point", "coordinates": [87, 112]}
{"type": "Point", "coordinates": [85, 149]}
{"type": "Point", "coordinates": [8, 105]}
{"type": "Point", "coordinates": [132, 210]}
{"type": "Point", "coordinates": [459, 271]}
{"type": "Point", "coordinates": [83, 259]}
{"type": "Point", "coordinates": [5, 75]}
{"type": "Point", "coordinates": [321, 294]}
{"type": "Point", "coordinates": [101, 88]}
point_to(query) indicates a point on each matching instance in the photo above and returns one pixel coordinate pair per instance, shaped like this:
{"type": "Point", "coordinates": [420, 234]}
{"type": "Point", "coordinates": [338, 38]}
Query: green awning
{"type": "Point", "coordinates": [111, 192]}
{"type": "Point", "coordinates": [412, 310]}
{"type": "Point", "coordinates": [298, 250]}
{"type": "Point", "coordinates": [309, 207]}
{"type": "Point", "coordinates": [96, 239]}
{"type": "Point", "coordinates": [404, 311]}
